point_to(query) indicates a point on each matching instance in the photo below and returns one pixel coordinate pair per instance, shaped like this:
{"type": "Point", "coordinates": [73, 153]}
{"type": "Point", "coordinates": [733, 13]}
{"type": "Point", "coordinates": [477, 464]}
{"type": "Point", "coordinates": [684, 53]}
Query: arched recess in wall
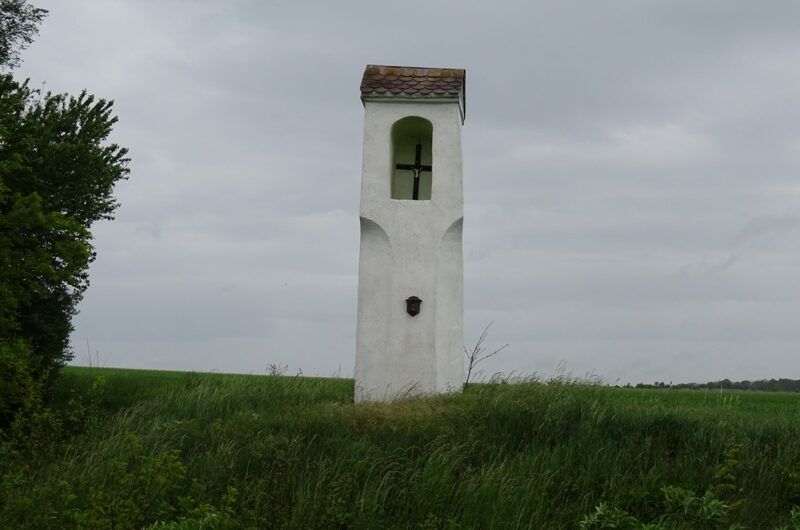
{"type": "Point", "coordinates": [412, 159]}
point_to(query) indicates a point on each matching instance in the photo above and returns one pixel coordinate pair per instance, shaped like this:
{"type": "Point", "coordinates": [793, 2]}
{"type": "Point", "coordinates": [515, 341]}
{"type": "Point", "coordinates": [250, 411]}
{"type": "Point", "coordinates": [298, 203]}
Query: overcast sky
{"type": "Point", "coordinates": [631, 179]}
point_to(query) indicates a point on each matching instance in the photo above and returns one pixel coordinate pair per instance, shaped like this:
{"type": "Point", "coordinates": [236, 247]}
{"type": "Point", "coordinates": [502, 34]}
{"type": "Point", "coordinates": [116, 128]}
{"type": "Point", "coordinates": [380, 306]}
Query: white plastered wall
{"type": "Point", "coordinates": [410, 248]}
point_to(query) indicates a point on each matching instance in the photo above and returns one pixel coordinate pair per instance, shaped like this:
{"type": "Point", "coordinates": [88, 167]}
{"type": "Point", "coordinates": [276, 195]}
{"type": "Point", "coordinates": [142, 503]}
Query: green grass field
{"type": "Point", "coordinates": [190, 450]}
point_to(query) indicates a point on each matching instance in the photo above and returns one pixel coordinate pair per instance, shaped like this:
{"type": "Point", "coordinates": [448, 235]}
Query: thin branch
{"type": "Point", "coordinates": [477, 355]}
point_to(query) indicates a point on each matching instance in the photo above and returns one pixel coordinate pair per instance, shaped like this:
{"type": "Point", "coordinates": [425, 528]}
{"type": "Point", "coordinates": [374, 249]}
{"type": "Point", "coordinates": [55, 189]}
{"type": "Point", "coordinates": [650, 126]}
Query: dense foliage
{"type": "Point", "coordinates": [57, 174]}
{"type": "Point", "coordinates": [164, 450]}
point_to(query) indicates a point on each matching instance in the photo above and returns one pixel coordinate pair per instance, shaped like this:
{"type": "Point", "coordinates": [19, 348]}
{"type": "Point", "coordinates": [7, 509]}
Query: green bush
{"type": "Point", "coordinates": [17, 386]}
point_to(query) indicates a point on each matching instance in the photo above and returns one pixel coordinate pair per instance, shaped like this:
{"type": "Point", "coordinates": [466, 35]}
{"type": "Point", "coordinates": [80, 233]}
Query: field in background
{"type": "Point", "coordinates": [126, 387]}
{"type": "Point", "coordinates": [295, 452]}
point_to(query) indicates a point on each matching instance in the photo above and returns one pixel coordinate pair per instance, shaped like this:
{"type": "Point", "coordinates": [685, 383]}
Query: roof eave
{"type": "Point", "coordinates": [404, 98]}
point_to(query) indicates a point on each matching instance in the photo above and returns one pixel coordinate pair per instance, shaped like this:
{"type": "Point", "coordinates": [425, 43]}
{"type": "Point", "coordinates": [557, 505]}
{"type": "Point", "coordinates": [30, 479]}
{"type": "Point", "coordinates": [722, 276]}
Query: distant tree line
{"type": "Point", "coordinates": [764, 385]}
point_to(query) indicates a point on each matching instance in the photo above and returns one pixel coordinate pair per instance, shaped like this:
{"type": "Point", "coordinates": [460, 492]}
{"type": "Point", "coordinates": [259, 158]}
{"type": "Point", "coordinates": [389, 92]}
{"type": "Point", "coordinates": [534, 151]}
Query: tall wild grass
{"type": "Point", "coordinates": [216, 451]}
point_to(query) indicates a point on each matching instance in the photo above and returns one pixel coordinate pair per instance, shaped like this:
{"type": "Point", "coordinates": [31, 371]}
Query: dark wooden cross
{"type": "Point", "coordinates": [417, 168]}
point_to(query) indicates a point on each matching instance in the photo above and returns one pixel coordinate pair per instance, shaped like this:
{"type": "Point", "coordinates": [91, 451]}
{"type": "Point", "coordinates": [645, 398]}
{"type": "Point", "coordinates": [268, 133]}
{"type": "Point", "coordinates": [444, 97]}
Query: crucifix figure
{"type": "Point", "coordinates": [417, 168]}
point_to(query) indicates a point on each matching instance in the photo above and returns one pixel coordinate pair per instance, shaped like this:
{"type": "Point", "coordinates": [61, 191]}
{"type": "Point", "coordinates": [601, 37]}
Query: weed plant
{"type": "Point", "coordinates": [173, 450]}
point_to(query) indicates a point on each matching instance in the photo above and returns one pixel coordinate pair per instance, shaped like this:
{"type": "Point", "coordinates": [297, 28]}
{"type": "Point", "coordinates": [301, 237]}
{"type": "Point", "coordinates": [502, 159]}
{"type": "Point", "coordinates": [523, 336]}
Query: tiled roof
{"type": "Point", "coordinates": [409, 81]}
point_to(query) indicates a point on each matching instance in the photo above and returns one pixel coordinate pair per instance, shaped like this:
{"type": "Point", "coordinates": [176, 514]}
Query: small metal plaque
{"type": "Point", "coordinates": [413, 305]}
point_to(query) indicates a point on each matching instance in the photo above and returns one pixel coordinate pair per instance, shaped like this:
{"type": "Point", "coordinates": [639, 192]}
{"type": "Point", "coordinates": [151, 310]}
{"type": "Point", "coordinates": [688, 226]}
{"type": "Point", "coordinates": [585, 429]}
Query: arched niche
{"type": "Point", "coordinates": [412, 159]}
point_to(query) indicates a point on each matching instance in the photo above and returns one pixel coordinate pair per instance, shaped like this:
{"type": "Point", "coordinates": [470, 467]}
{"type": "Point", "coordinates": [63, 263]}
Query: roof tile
{"type": "Point", "coordinates": [407, 81]}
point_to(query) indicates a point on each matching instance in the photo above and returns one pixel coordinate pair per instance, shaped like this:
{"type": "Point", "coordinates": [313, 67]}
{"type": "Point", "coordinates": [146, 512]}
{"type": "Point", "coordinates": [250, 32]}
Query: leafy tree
{"type": "Point", "coordinates": [57, 175]}
{"type": "Point", "coordinates": [54, 145]}
{"type": "Point", "coordinates": [44, 257]}
{"type": "Point", "coordinates": [19, 22]}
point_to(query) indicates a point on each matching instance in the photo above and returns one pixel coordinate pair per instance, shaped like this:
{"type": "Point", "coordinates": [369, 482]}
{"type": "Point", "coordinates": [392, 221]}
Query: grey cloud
{"type": "Point", "coordinates": [630, 179]}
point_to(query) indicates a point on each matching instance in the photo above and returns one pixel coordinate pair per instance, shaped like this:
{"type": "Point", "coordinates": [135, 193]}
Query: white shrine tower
{"type": "Point", "coordinates": [410, 332]}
